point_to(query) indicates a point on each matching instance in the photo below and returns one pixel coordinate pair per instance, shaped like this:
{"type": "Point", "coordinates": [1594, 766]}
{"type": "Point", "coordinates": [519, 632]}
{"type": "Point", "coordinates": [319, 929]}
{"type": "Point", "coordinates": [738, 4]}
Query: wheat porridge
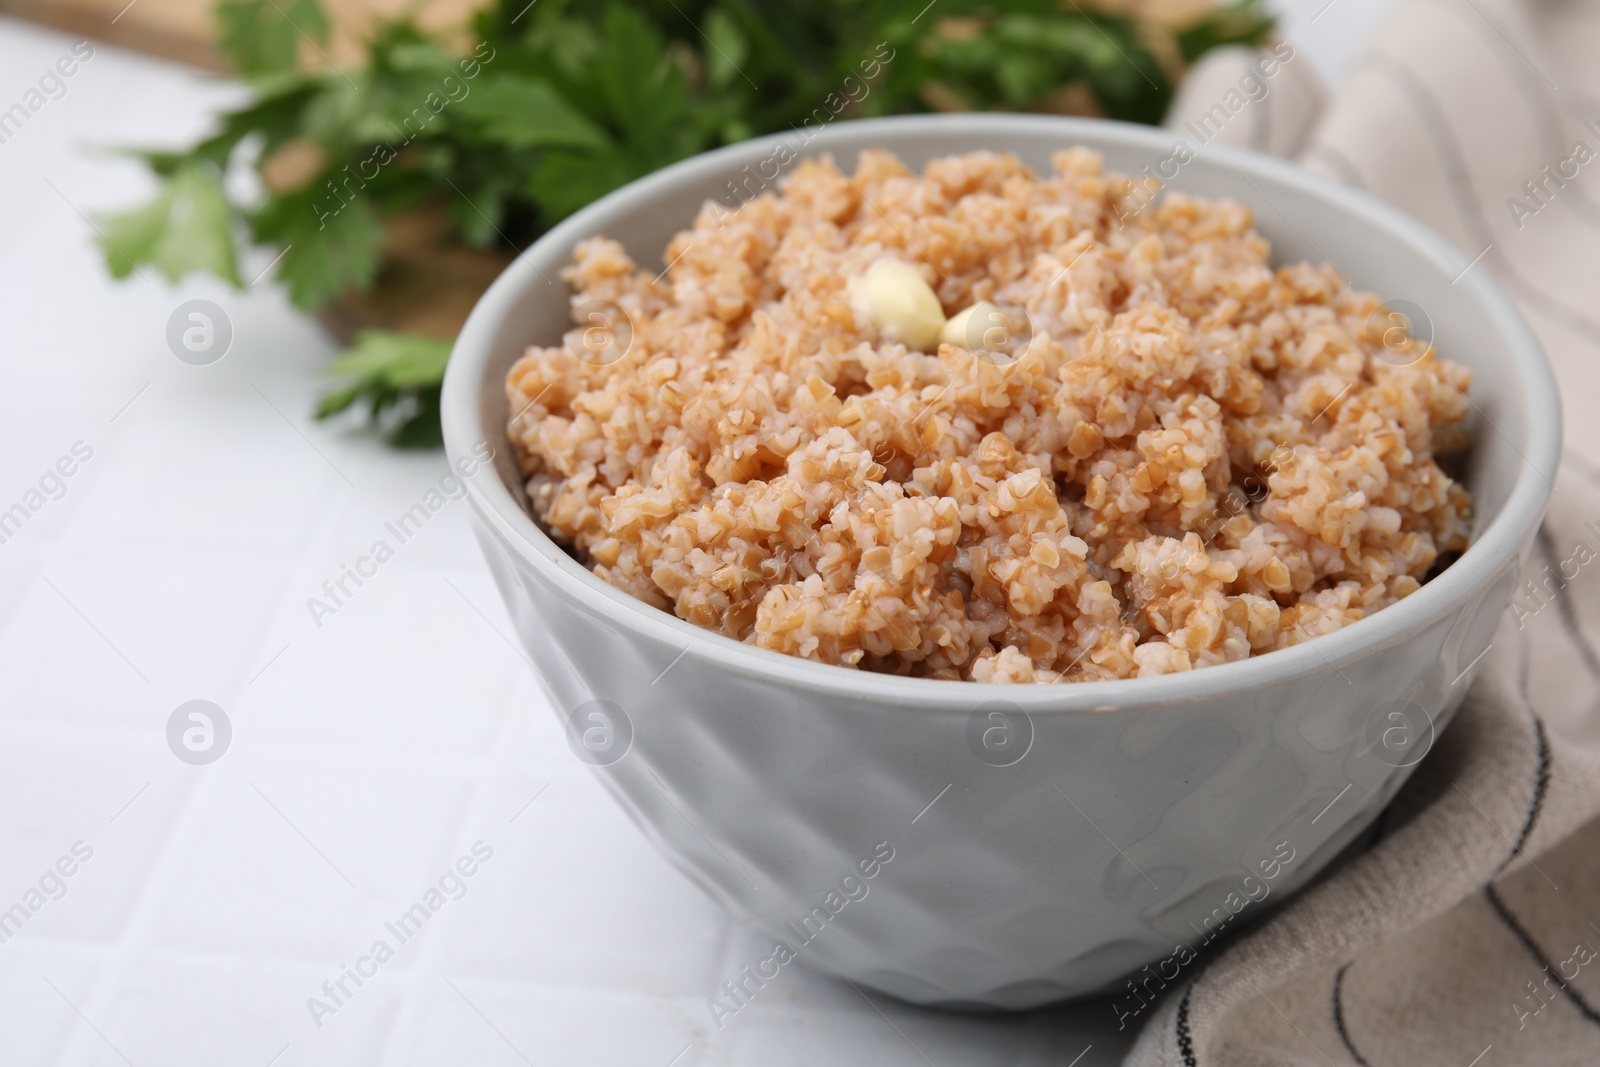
{"type": "Point", "coordinates": [978, 423]}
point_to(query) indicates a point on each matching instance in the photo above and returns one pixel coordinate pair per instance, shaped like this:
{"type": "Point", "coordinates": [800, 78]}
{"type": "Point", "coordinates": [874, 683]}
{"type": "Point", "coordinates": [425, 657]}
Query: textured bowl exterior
{"type": "Point", "coordinates": [1024, 844]}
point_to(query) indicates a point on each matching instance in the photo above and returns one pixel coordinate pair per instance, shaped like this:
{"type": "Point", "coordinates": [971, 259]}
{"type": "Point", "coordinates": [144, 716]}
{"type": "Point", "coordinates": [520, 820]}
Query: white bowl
{"type": "Point", "coordinates": [1138, 809]}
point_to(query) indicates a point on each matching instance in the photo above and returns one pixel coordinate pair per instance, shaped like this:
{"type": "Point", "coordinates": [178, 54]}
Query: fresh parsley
{"type": "Point", "coordinates": [398, 377]}
{"type": "Point", "coordinates": [555, 104]}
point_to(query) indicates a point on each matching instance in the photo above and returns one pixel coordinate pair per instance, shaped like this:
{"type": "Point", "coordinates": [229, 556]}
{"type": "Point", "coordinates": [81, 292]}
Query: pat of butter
{"type": "Point", "coordinates": [990, 330]}
{"type": "Point", "coordinates": [893, 299]}
{"type": "Point", "coordinates": [955, 331]}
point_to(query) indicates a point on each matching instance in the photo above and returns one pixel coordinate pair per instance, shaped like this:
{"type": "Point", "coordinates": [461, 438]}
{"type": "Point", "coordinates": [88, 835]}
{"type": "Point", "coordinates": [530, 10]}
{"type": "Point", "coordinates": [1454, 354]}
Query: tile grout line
{"type": "Point", "coordinates": [137, 939]}
{"type": "Point", "coordinates": [115, 957]}
{"type": "Point", "coordinates": [425, 977]}
{"type": "Point", "coordinates": [134, 943]}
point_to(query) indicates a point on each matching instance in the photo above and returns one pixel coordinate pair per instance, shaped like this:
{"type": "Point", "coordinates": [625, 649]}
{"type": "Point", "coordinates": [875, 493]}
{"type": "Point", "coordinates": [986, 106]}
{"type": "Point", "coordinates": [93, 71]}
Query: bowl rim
{"type": "Point", "coordinates": [1499, 540]}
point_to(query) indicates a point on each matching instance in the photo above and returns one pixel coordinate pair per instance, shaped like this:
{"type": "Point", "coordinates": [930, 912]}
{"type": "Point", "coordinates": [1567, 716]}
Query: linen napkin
{"type": "Point", "coordinates": [1468, 935]}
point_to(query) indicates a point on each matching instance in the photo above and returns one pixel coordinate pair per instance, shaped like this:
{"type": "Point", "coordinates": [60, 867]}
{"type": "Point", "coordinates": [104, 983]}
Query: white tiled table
{"type": "Point", "coordinates": [368, 753]}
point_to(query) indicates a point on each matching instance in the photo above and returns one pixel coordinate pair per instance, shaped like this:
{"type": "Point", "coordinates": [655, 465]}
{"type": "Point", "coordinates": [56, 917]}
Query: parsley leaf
{"type": "Point", "coordinates": [328, 244]}
{"type": "Point", "coordinates": [187, 228]}
{"type": "Point", "coordinates": [527, 113]}
{"type": "Point", "coordinates": [645, 97]}
{"type": "Point", "coordinates": [1243, 22]}
{"type": "Point", "coordinates": [726, 51]}
{"type": "Point", "coordinates": [399, 377]}
{"type": "Point", "coordinates": [262, 37]}
{"type": "Point", "coordinates": [563, 181]}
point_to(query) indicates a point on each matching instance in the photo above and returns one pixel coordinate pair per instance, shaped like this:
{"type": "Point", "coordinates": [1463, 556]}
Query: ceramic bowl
{"type": "Point", "coordinates": [1004, 846]}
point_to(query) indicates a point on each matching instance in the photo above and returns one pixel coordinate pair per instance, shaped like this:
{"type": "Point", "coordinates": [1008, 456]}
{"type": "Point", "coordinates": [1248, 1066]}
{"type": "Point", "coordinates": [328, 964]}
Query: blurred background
{"type": "Point", "coordinates": [393, 159]}
{"type": "Point", "coordinates": [235, 243]}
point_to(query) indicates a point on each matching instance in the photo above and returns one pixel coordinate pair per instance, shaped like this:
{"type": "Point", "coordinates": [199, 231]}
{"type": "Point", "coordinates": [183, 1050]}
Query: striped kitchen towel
{"type": "Point", "coordinates": [1469, 934]}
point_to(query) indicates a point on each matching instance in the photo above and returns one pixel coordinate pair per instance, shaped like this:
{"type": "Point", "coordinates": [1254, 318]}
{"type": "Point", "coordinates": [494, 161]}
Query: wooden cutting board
{"type": "Point", "coordinates": [185, 30]}
{"type": "Point", "coordinates": [427, 284]}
